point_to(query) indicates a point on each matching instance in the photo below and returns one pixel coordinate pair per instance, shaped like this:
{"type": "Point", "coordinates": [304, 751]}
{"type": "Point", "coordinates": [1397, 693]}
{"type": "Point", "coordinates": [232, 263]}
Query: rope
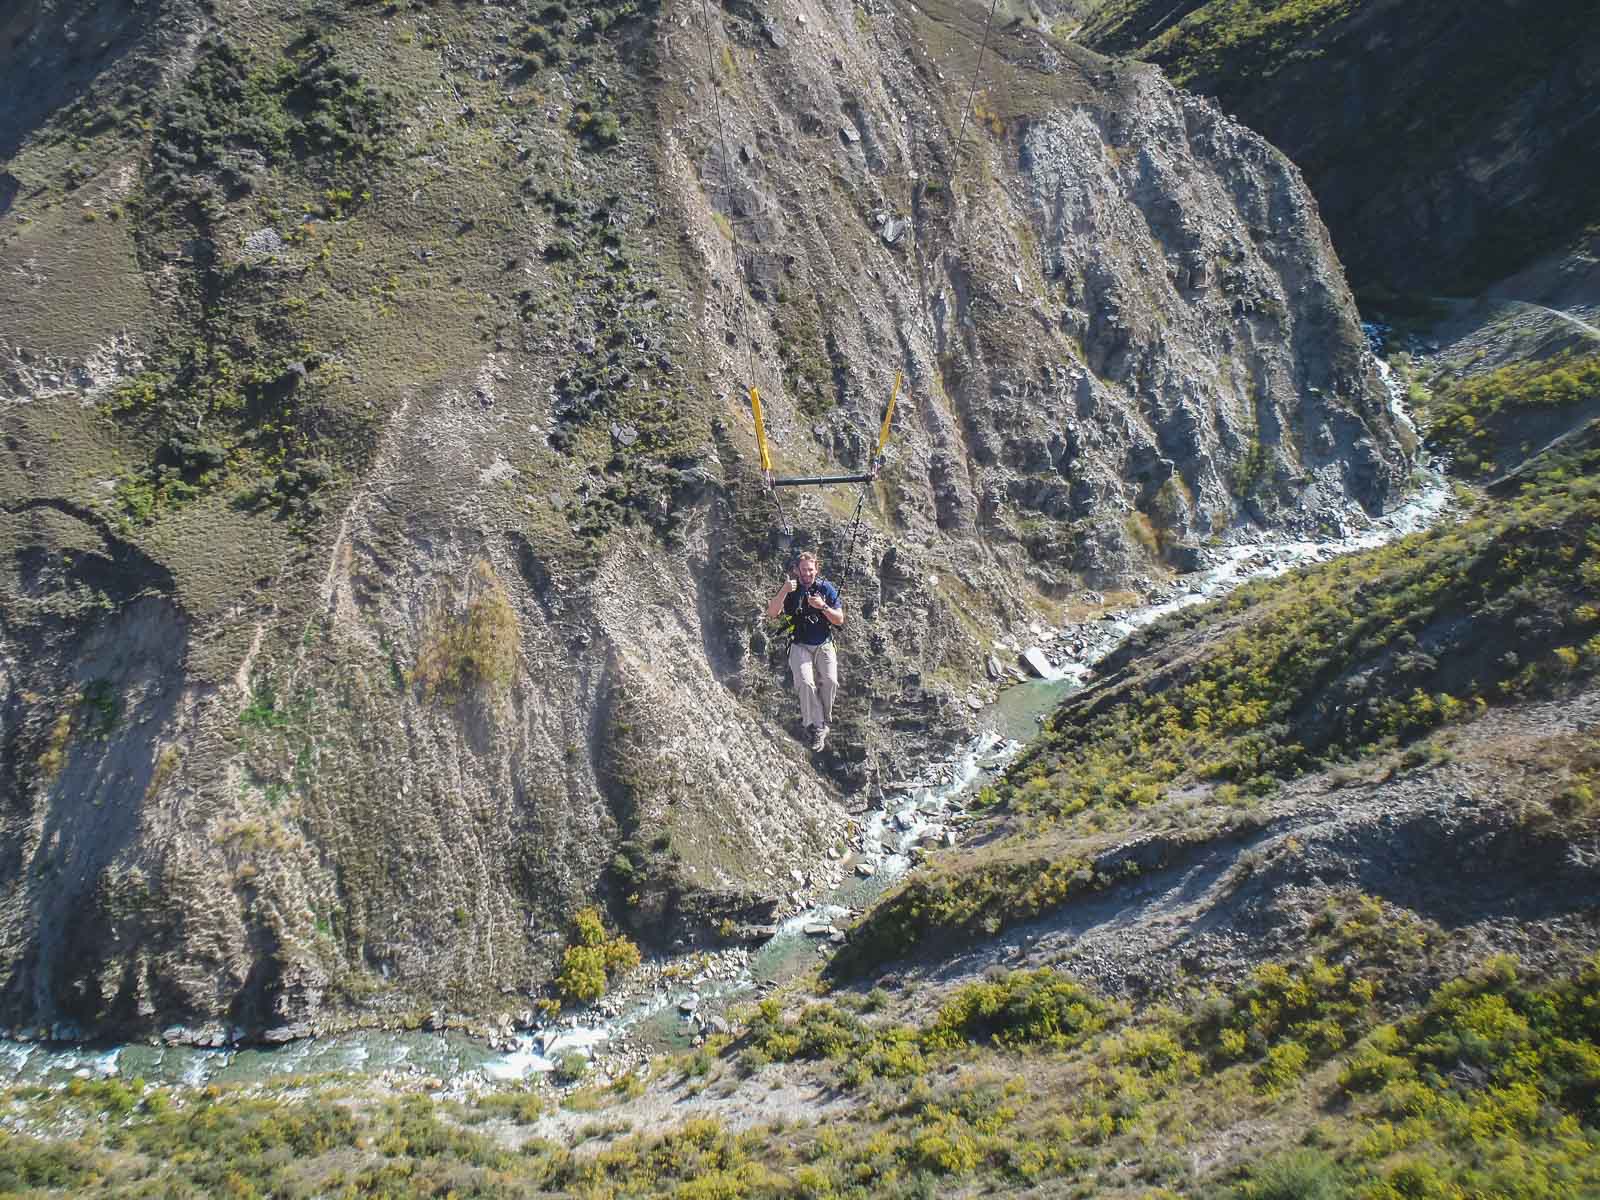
{"type": "Point", "coordinates": [861, 498]}
{"type": "Point", "coordinates": [733, 233]}
{"type": "Point", "coordinates": [955, 168]}
{"type": "Point", "coordinates": [855, 526]}
{"type": "Point", "coordinates": [977, 73]}
{"type": "Point", "coordinates": [727, 186]}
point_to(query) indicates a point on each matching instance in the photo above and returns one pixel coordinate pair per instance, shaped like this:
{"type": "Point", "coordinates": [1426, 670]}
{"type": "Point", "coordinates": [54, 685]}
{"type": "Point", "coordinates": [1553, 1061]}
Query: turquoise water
{"type": "Point", "coordinates": [1015, 713]}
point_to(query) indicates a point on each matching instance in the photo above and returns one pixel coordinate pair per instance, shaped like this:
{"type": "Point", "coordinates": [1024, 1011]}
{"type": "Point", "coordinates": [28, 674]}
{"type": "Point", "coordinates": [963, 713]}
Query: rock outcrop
{"type": "Point", "coordinates": [1448, 145]}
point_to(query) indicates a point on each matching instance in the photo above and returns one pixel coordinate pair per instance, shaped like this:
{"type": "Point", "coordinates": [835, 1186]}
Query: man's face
{"type": "Point", "coordinates": [806, 572]}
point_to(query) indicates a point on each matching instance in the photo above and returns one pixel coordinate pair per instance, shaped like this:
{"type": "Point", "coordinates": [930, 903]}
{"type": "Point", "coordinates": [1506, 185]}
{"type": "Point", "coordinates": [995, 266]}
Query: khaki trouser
{"type": "Point", "coordinates": [816, 678]}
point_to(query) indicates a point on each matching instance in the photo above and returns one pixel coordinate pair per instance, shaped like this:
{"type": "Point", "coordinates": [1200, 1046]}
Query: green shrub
{"type": "Point", "coordinates": [1155, 1052]}
{"type": "Point", "coordinates": [827, 1032]}
{"type": "Point", "coordinates": [620, 955]}
{"type": "Point", "coordinates": [570, 1068]}
{"type": "Point", "coordinates": [1037, 1008]}
{"type": "Point", "coordinates": [588, 928]}
{"type": "Point", "coordinates": [1304, 1174]}
{"type": "Point", "coordinates": [945, 1150]}
{"type": "Point", "coordinates": [1284, 1064]}
{"type": "Point", "coordinates": [1313, 1005]}
{"type": "Point", "coordinates": [583, 974]}
{"type": "Point", "coordinates": [592, 958]}
{"type": "Point", "coordinates": [521, 1108]}
{"type": "Point", "coordinates": [1375, 1063]}
{"type": "Point", "coordinates": [472, 650]}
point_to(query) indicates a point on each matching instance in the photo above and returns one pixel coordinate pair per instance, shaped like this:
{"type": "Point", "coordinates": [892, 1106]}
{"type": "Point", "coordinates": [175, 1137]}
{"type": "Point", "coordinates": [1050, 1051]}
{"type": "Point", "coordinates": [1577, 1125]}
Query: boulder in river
{"type": "Point", "coordinates": [1039, 663]}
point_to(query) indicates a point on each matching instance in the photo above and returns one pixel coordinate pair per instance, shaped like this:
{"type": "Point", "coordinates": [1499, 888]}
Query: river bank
{"type": "Point", "coordinates": [672, 1003]}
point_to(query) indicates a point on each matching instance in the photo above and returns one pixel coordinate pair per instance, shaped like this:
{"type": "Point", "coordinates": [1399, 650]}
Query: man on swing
{"type": "Point", "coordinates": [814, 606]}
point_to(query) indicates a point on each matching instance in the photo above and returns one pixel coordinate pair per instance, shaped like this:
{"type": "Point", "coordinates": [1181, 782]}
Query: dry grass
{"type": "Point", "coordinates": [473, 648]}
{"type": "Point", "coordinates": [54, 756]}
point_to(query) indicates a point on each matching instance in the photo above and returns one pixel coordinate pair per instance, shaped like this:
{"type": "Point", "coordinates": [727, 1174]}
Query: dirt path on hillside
{"type": "Point", "coordinates": [1571, 319]}
{"type": "Point", "coordinates": [1457, 842]}
{"type": "Point", "coordinates": [1480, 334]}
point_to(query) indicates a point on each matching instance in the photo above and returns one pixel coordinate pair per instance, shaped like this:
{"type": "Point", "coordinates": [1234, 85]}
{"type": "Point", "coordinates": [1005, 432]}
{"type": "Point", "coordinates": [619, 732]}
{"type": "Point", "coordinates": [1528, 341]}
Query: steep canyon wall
{"type": "Point", "coordinates": [383, 545]}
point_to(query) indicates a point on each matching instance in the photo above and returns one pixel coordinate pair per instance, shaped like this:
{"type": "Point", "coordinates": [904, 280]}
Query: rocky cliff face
{"type": "Point", "coordinates": [1448, 145]}
{"type": "Point", "coordinates": [383, 547]}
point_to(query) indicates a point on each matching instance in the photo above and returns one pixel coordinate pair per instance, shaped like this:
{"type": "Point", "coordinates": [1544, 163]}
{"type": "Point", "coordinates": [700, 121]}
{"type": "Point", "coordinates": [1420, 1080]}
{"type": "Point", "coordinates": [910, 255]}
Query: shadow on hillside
{"type": "Point", "coordinates": [51, 53]}
{"type": "Point", "coordinates": [87, 744]}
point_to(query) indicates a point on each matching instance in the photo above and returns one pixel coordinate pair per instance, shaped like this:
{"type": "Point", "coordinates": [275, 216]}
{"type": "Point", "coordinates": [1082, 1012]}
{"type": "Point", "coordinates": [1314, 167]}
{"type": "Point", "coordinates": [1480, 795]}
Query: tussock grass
{"type": "Point", "coordinates": [473, 650]}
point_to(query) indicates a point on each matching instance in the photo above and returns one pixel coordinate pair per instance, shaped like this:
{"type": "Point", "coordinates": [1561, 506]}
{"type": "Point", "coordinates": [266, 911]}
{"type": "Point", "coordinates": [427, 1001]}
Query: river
{"type": "Point", "coordinates": [919, 813]}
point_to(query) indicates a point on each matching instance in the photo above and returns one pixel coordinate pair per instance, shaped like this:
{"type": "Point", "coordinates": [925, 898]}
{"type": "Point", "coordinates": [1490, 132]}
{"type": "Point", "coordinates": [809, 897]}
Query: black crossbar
{"type": "Point", "coordinates": [810, 479]}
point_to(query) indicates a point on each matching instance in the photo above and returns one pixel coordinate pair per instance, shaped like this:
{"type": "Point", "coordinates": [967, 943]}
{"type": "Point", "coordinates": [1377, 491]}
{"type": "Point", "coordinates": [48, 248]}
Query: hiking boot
{"type": "Point", "coordinates": [819, 736]}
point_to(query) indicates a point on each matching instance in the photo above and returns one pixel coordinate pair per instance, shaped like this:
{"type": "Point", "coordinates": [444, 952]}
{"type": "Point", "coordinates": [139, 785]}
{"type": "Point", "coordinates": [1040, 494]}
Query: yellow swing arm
{"type": "Point", "coordinates": [761, 429]}
{"type": "Point", "coordinates": [809, 480]}
{"type": "Point", "coordinates": [888, 415]}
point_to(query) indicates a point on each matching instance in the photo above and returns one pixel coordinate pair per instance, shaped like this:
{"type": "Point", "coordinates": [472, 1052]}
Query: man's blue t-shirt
{"type": "Point", "coordinates": [811, 628]}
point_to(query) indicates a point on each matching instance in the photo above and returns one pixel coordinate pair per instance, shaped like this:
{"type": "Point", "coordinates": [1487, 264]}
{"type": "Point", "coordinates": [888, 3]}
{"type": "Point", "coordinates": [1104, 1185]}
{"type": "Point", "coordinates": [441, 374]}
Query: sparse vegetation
{"type": "Point", "coordinates": [1484, 1085]}
{"type": "Point", "coordinates": [306, 106]}
{"type": "Point", "coordinates": [225, 398]}
{"type": "Point", "coordinates": [102, 707]}
{"type": "Point", "coordinates": [1246, 475]}
{"type": "Point", "coordinates": [96, 714]}
{"type": "Point", "coordinates": [597, 129]}
{"type": "Point", "coordinates": [54, 755]}
{"type": "Point", "coordinates": [1330, 664]}
{"type": "Point", "coordinates": [166, 766]}
{"type": "Point", "coordinates": [474, 650]}
{"type": "Point", "coordinates": [596, 394]}
{"type": "Point", "coordinates": [263, 710]}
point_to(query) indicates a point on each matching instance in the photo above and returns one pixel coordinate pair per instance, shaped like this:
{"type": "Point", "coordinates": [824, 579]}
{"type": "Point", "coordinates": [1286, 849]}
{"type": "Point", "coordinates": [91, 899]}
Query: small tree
{"type": "Point", "coordinates": [593, 958]}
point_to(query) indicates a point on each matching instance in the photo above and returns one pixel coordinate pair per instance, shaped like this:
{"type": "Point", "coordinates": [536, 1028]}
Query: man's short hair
{"type": "Point", "coordinates": [806, 556]}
